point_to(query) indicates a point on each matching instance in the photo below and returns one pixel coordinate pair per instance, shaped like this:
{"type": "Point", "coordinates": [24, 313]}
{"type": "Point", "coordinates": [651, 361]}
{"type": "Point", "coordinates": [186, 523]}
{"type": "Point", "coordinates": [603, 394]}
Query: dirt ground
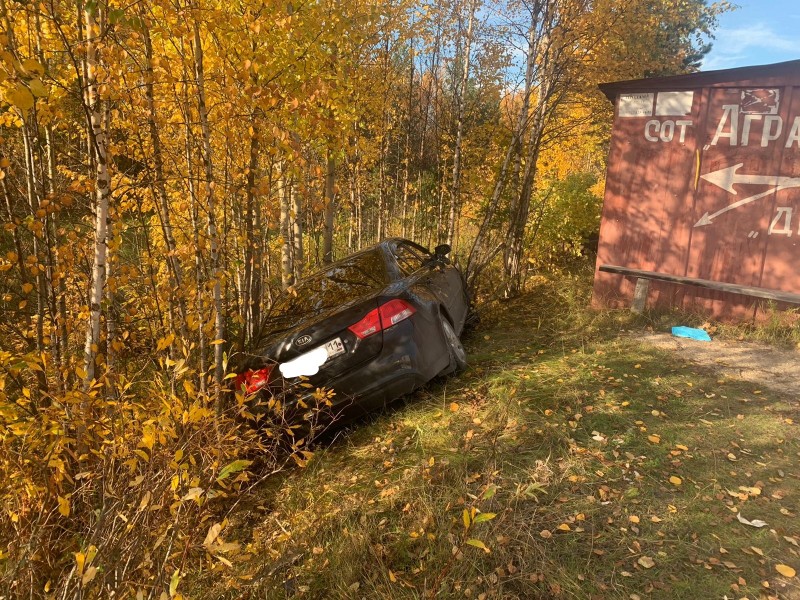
{"type": "Point", "coordinates": [777, 368]}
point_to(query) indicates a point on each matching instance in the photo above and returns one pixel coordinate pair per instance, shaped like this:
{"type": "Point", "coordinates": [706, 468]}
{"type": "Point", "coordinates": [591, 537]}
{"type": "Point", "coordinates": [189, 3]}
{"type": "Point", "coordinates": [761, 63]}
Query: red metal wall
{"type": "Point", "coordinates": [704, 181]}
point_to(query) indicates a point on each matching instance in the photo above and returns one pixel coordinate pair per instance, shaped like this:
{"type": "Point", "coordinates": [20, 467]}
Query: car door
{"type": "Point", "coordinates": [443, 279]}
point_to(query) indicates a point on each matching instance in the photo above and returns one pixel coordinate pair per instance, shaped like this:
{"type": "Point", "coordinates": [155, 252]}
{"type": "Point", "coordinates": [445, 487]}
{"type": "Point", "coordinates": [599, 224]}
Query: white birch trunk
{"type": "Point", "coordinates": [102, 194]}
{"type": "Point", "coordinates": [455, 197]}
{"type": "Point", "coordinates": [216, 273]}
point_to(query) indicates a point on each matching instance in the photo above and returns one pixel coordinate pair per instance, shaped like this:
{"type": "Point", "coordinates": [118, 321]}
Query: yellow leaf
{"type": "Point", "coordinates": [564, 527]}
{"type": "Point", "coordinates": [465, 518]}
{"type": "Point", "coordinates": [482, 517]}
{"type": "Point", "coordinates": [33, 66]}
{"type": "Point", "coordinates": [37, 88]}
{"type": "Point", "coordinates": [454, 406]}
{"type": "Point", "coordinates": [785, 570]}
{"type": "Point", "coordinates": [27, 287]}
{"type": "Point", "coordinates": [675, 480]}
{"type": "Point", "coordinates": [478, 544]}
{"type": "Point", "coordinates": [392, 577]}
{"type": "Point", "coordinates": [21, 97]}
{"type": "Point", "coordinates": [80, 561]}
{"type": "Point", "coordinates": [63, 506]}
{"type": "Point", "coordinates": [173, 582]}
{"type": "Point", "coordinates": [633, 519]}
{"type": "Point", "coordinates": [655, 439]}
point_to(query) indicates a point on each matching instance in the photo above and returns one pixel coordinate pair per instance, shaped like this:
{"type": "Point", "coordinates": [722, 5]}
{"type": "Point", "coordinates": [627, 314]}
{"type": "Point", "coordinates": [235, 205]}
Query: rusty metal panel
{"type": "Point", "coordinates": [703, 181]}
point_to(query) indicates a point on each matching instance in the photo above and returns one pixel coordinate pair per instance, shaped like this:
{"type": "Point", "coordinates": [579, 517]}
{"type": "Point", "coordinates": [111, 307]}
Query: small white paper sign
{"type": "Point", "coordinates": [636, 105]}
{"type": "Point", "coordinates": [674, 104]}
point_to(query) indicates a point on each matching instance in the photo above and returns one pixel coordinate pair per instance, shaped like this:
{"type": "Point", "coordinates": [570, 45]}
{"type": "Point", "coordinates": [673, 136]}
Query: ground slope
{"type": "Point", "coordinates": [571, 460]}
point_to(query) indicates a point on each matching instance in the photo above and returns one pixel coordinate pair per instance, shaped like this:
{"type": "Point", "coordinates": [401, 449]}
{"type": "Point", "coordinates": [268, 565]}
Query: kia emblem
{"type": "Point", "coordinates": [303, 340]}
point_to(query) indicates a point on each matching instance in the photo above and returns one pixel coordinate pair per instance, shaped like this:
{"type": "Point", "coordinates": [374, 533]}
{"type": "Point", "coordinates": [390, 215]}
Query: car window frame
{"type": "Point", "coordinates": [422, 253]}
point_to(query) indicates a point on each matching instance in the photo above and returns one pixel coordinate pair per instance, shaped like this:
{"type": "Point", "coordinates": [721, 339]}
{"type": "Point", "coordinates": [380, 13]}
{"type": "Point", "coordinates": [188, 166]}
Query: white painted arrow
{"type": "Point", "coordinates": [728, 177]}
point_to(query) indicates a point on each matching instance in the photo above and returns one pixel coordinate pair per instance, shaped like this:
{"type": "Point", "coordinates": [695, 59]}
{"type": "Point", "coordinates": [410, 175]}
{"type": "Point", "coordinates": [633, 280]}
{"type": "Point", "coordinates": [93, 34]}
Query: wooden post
{"type": "Point", "coordinates": [640, 295]}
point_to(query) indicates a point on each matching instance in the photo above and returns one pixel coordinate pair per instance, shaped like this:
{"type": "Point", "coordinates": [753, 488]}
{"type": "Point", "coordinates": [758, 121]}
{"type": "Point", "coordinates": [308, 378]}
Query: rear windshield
{"type": "Point", "coordinates": [348, 280]}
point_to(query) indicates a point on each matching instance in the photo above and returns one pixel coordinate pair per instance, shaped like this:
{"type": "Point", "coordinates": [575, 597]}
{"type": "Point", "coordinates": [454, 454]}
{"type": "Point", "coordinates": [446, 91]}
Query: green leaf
{"type": "Point", "coordinates": [234, 467]}
{"type": "Point", "coordinates": [489, 492]}
{"type": "Point", "coordinates": [487, 516]}
{"type": "Point", "coordinates": [116, 15]}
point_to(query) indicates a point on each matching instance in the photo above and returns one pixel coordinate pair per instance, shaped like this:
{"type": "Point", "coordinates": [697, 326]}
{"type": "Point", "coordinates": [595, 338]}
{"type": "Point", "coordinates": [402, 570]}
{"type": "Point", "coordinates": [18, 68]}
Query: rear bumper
{"type": "Point", "coordinates": [407, 361]}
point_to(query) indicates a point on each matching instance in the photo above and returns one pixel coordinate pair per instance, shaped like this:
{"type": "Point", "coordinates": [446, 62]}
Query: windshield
{"type": "Point", "coordinates": [337, 286]}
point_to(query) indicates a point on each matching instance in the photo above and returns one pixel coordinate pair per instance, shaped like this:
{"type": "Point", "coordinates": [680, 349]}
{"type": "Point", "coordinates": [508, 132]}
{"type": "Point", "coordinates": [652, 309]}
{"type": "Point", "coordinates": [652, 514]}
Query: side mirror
{"type": "Point", "coordinates": [442, 250]}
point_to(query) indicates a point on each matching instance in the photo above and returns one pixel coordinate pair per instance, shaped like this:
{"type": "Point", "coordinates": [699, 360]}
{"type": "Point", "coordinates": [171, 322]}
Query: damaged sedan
{"type": "Point", "coordinates": [371, 327]}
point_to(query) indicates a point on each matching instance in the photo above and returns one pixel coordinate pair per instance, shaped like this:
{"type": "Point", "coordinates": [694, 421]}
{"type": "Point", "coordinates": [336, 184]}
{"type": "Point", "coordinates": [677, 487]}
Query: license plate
{"type": "Point", "coordinates": [335, 347]}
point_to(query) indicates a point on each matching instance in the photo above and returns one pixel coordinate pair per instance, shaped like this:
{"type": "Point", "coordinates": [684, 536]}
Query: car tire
{"type": "Point", "coordinates": [458, 356]}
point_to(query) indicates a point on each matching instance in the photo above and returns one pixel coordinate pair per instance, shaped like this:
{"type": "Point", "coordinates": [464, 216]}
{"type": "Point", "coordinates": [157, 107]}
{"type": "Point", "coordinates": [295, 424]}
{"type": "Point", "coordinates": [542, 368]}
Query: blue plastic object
{"type": "Point", "coordinates": [692, 333]}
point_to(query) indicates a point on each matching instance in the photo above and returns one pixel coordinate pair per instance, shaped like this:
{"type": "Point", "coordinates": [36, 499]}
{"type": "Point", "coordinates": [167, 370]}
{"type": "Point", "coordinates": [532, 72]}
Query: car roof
{"type": "Point", "coordinates": [386, 245]}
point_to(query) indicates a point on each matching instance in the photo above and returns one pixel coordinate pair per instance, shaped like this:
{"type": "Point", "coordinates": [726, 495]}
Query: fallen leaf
{"type": "Point", "coordinates": [675, 480]}
{"type": "Point", "coordinates": [92, 571]}
{"type": "Point", "coordinates": [564, 527]}
{"type": "Point", "coordinates": [754, 523]}
{"type": "Point", "coordinates": [655, 439]}
{"type": "Point", "coordinates": [785, 570]}
{"type": "Point", "coordinates": [478, 544]}
{"type": "Point", "coordinates": [633, 519]}
{"type": "Point", "coordinates": [453, 406]}
{"type": "Point", "coordinates": [213, 534]}
{"type": "Point", "coordinates": [646, 562]}
{"type": "Point", "coordinates": [546, 534]}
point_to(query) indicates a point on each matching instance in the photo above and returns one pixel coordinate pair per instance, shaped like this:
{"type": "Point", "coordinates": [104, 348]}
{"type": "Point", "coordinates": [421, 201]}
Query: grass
{"type": "Point", "coordinates": [604, 468]}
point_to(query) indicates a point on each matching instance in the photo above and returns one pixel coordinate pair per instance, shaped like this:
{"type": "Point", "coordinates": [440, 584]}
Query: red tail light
{"type": "Point", "coordinates": [252, 381]}
{"type": "Point", "coordinates": [382, 318]}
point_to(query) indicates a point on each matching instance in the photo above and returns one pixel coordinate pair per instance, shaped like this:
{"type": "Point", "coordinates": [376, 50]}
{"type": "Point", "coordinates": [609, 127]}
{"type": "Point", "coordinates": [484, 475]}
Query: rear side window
{"type": "Point", "coordinates": [410, 259]}
{"type": "Point", "coordinates": [351, 279]}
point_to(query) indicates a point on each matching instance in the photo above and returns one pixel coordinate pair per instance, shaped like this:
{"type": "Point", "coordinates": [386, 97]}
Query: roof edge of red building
{"type": "Point", "coordinates": [701, 78]}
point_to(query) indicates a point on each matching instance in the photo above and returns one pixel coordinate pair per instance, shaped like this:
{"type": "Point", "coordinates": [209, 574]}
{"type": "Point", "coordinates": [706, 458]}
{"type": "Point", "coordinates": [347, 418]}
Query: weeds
{"type": "Point", "coordinates": [123, 494]}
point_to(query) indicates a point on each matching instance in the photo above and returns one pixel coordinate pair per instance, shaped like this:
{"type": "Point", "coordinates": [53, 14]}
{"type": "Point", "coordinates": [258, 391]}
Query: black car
{"type": "Point", "coordinates": [371, 327]}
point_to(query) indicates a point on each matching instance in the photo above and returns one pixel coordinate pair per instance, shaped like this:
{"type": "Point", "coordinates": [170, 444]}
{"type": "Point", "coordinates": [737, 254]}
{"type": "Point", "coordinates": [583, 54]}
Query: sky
{"type": "Point", "coordinates": [759, 32]}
